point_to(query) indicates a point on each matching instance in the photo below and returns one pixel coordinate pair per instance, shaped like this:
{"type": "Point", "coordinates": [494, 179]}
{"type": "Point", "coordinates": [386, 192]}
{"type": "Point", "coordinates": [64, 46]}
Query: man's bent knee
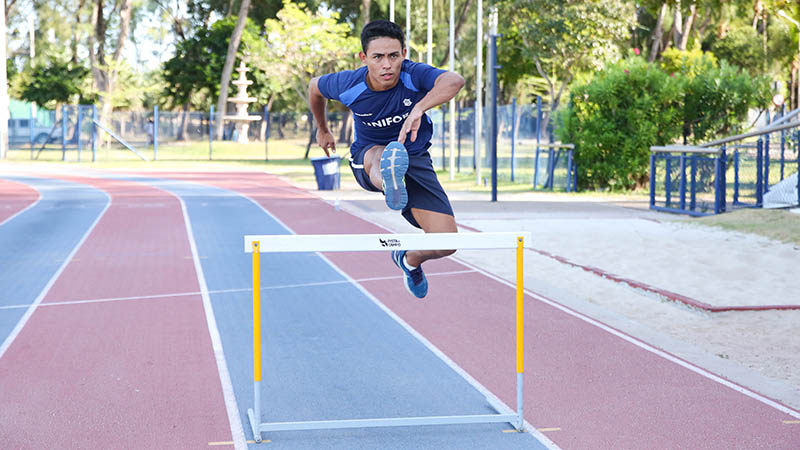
{"type": "Point", "coordinates": [444, 253]}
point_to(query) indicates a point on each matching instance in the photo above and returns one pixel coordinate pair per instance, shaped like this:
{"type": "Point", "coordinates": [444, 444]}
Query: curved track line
{"type": "Point", "coordinates": [22, 321]}
{"type": "Point", "coordinates": [231, 407]}
{"type": "Point", "coordinates": [29, 206]}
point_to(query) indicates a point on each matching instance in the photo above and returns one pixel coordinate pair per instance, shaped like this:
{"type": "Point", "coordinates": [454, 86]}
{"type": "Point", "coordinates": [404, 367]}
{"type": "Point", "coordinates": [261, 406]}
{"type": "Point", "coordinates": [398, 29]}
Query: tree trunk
{"type": "Point", "coordinates": [758, 8]}
{"type": "Point", "coordinates": [230, 58]}
{"type": "Point", "coordinates": [794, 89]}
{"type": "Point", "coordinates": [263, 131]}
{"type": "Point", "coordinates": [701, 30]}
{"type": "Point", "coordinates": [343, 129]}
{"type": "Point", "coordinates": [310, 134]}
{"type": "Point", "coordinates": [184, 123]}
{"type": "Point", "coordinates": [657, 34]}
{"type": "Point", "coordinates": [74, 43]}
{"type": "Point", "coordinates": [365, 7]}
{"type": "Point", "coordinates": [677, 24]}
{"type": "Point", "coordinates": [104, 72]}
{"type": "Point", "coordinates": [461, 19]}
{"type": "Point", "coordinates": [687, 27]}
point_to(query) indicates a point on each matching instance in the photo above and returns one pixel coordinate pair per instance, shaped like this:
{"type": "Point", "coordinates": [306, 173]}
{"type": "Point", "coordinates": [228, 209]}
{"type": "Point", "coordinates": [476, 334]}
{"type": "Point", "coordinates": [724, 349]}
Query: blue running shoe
{"type": "Point", "coordinates": [394, 164]}
{"type": "Point", "coordinates": [415, 281]}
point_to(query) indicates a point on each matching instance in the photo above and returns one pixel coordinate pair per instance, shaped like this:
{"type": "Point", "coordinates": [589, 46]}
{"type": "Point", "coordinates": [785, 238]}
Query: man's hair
{"type": "Point", "coordinates": [379, 29]}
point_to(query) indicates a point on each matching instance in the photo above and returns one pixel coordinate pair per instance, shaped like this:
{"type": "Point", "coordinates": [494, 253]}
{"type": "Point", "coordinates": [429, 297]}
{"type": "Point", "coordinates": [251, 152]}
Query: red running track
{"type": "Point", "coordinates": [602, 391]}
{"type": "Point", "coordinates": [118, 374]}
{"type": "Point", "coordinates": [16, 197]}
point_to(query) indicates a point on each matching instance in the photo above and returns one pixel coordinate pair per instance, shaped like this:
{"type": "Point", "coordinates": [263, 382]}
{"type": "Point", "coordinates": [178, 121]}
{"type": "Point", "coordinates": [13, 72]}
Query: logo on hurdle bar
{"type": "Point", "coordinates": [389, 242]}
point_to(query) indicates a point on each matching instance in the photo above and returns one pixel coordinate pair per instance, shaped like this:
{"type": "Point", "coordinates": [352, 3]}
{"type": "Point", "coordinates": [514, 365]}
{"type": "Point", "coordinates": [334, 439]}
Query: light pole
{"type": "Point", "coordinates": [783, 14]}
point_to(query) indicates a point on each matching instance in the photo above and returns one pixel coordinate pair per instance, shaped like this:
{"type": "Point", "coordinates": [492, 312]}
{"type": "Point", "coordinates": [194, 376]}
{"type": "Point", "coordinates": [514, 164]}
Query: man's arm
{"type": "Point", "coordinates": [317, 102]}
{"type": "Point", "coordinates": [444, 88]}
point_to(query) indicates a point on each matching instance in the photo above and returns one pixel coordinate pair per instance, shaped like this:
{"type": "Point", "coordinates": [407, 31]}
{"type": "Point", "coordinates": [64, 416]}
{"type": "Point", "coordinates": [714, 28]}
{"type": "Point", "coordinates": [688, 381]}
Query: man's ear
{"type": "Point", "coordinates": [363, 57]}
{"type": "Point", "coordinates": [405, 50]}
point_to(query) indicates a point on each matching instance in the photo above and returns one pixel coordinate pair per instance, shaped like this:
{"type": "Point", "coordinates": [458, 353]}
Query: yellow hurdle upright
{"type": "Point", "coordinates": [520, 334]}
{"type": "Point", "coordinates": [258, 244]}
{"type": "Point", "coordinates": [256, 332]}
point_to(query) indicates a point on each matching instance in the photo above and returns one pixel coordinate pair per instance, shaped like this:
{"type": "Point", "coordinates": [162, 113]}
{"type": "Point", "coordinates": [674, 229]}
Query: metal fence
{"type": "Point", "coordinates": [730, 173]}
{"type": "Point", "coordinates": [525, 154]}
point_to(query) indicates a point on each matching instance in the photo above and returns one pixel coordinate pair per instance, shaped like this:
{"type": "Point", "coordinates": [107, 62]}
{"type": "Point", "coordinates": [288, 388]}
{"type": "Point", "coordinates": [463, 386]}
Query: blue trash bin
{"type": "Point", "coordinates": [326, 171]}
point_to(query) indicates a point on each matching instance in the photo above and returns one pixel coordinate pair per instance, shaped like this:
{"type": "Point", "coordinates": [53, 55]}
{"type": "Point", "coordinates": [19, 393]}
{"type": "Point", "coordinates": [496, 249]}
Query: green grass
{"type": "Point", "coordinates": [776, 224]}
{"type": "Point", "coordinates": [285, 158]}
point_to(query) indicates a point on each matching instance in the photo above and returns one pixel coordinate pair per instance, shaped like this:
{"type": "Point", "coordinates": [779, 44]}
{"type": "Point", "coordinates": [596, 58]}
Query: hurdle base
{"type": "Point", "coordinates": [254, 425]}
{"type": "Point", "coordinates": [512, 419]}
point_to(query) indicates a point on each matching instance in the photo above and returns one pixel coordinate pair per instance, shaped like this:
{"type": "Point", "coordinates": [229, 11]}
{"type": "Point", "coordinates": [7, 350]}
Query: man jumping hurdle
{"type": "Point", "coordinates": [389, 97]}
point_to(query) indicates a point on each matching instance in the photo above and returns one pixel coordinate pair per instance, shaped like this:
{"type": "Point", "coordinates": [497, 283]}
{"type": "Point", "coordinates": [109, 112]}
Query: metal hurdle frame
{"type": "Point", "coordinates": [257, 244]}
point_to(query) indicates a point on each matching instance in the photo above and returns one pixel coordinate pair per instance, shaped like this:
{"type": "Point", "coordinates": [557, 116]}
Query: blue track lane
{"type": "Point", "coordinates": [329, 351]}
{"type": "Point", "coordinates": [35, 243]}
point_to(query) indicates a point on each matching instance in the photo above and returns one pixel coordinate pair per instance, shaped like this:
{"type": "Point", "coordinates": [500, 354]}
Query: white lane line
{"type": "Point", "coordinates": [496, 403]}
{"type": "Point", "coordinates": [225, 291]}
{"type": "Point", "coordinates": [32, 307]}
{"type": "Point", "coordinates": [11, 217]}
{"type": "Point", "coordinates": [646, 346]}
{"type": "Point", "coordinates": [237, 432]}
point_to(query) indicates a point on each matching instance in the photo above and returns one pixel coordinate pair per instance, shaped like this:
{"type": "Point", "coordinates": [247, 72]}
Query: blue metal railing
{"type": "Point", "coordinates": [708, 189]}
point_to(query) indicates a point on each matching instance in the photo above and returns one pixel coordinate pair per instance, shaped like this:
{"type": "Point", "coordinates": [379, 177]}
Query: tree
{"type": "Point", "coordinates": [565, 37]}
{"type": "Point", "coordinates": [227, 69]}
{"type": "Point", "coordinates": [56, 83]}
{"type": "Point", "coordinates": [105, 69]}
{"type": "Point", "coordinates": [301, 45]}
{"type": "Point", "coordinates": [191, 77]}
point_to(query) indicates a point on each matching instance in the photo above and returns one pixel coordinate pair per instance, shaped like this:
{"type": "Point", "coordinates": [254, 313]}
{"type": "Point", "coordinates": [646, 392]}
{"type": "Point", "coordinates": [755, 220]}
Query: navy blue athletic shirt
{"type": "Point", "coordinates": [379, 115]}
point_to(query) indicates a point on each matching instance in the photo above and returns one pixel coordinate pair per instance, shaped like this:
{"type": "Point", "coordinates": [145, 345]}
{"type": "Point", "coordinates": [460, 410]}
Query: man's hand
{"type": "Point", "coordinates": [411, 125]}
{"type": "Point", "coordinates": [326, 141]}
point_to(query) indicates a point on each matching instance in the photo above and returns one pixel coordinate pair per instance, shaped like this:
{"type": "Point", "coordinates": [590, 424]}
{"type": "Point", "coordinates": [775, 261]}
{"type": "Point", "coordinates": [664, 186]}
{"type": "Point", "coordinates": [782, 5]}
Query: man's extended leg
{"type": "Point", "coordinates": [431, 222]}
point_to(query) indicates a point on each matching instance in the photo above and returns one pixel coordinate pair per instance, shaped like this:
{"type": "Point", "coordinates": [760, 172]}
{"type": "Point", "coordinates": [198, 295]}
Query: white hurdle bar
{"type": "Point", "coordinates": [257, 244]}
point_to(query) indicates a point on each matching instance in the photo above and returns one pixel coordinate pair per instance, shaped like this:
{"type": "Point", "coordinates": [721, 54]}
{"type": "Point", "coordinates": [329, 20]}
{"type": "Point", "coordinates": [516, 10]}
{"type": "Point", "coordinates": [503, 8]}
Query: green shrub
{"type": "Point", "coordinates": [615, 118]}
{"type": "Point", "coordinates": [716, 101]}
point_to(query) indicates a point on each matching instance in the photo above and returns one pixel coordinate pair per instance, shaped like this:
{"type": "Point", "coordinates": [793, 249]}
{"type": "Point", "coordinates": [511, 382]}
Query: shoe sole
{"type": "Point", "coordinates": [394, 165]}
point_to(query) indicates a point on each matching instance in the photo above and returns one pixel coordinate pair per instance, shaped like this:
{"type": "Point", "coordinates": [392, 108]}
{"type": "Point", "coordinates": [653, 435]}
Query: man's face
{"type": "Point", "coordinates": [383, 59]}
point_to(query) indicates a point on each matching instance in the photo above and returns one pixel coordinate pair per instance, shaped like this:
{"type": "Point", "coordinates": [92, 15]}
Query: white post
{"type": "Point", "coordinates": [452, 100]}
{"type": "Point", "coordinates": [430, 33]}
{"type": "Point", "coordinates": [3, 85]}
{"type": "Point", "coordinates": [478, 133]}
{"type": "Point", "coordinates": [408, 25]}
{"type": "Point", "coordinates": [32, 38]}
{"type": "Point", "coordinates": [783, 14]}
{"type": "Point", "coordinates": [391, 10]}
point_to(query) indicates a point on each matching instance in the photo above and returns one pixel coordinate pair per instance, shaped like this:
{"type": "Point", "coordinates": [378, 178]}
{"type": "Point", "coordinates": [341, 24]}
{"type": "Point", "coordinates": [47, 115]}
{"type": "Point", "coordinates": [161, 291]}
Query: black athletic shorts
{"type": "Point", "coordinates": [424, 190]}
